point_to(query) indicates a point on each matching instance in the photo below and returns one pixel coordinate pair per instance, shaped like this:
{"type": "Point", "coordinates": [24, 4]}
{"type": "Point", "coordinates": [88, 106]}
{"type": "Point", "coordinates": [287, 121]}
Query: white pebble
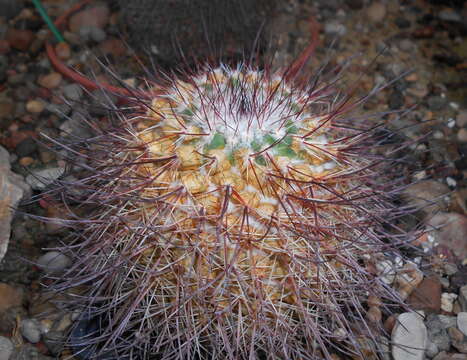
{"type": "Point", "coordinates": [447, 300]}
{"type": "Point", "coordinates": [30, 329]}
{"type": "Point", "coordinates": [409, 337]}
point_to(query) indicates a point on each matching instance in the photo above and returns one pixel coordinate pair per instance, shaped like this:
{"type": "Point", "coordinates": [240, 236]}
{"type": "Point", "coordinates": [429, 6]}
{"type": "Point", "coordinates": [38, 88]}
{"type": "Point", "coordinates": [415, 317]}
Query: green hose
{"type": "Point", "coordinates": [48, 21]}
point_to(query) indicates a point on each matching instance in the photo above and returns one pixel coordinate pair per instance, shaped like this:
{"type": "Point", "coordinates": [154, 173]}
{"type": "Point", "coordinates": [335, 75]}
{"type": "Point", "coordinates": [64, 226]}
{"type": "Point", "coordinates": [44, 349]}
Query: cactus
{"type": "Point", "coordinates": [235, 215]}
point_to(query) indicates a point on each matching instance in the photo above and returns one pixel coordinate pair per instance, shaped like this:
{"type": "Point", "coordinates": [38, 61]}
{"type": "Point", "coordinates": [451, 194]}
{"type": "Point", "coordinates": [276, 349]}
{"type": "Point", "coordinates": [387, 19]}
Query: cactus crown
{"type": "Point", "coordinates": [237, 217]}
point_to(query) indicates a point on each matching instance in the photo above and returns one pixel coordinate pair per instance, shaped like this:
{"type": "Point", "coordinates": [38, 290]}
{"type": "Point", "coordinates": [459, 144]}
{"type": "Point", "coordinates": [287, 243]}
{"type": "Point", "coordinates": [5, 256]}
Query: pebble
{"type": "Point", "coordinates": [97, 16]}
{"type": "Point", "coordinates": [334, 28]}
{"type": "Point", "coordinates": [53, 262]}
{"type": "Point", "coordinates": [463, 298]}
{"type": "Point", "coordinates": [462, 322]}
{"type": "Point", "coordinates": [437, 326]}
{"type": "Point", "coordinates": [28, 352]}
{"type": "Point", "coordinates": [407, 279]}
{"type": "Point", "coordinates": [19, 39]}
{"type": "Point", "coordinates": [10, 297]}
{"type": "Point", "coordinates": [6, 348]}
{"type": "Point", "coordinates": [376, 12]}
{"type": "Point", "coordinates": [437, 103]}
{"type": "Point", "coordinates": [406, 45]}
{"type": "Point", "coordinates": [63, 51]}
{"type": "Point", "coordinates": [450, 15]}
{"type": "Point", "coordinates": [73, 92]}
{"type": "Point", "coordinates": [450, 230]}
{"type": "Point", "coordinates": [461, 119]}
{"type": "Point", "coordinates": [3, 67]}
{"type": "Point", "coordinates": [26, 161]}
{"type": "Point", "coordinates": [409, 337]}
{"type": "Point", "coordinates": [458, 339]}
{"type": "Point", "coordinates": [35, 106]}
{"type": "Point", "coordinates": [26, 147]}
{"type": "Point", "coordinates": [447, 301]}
{"type": "Point", "coordinates": [462, 135]}
{"type": "Point", "coordinates": [51, 80]}
{"type": "Point", "coordinates": [39, 179]}
{"type": "Point", "coordinates": [30, 329]}
{"type": "Point", "coordinates": [431, 349]}
{"type": "Point", "coordinates": [427, 295]}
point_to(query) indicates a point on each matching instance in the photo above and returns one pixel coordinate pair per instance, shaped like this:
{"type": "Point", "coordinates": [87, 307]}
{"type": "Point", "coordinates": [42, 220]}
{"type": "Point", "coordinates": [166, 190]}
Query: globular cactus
{"type": "Point", "coordinates": [234, 215]}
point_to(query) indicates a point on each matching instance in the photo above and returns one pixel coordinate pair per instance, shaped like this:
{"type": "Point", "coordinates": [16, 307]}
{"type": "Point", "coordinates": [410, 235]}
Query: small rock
{"type": "Point", "coordinates": [28, 352]}
{"type": "Point", "coordinates": [463, 298]}
{"type": "Point", "coordinates": [450, 230]}
{"type": "Point", "coordinates": [54, 341]}
{"type": "Point", "coordinates": [462, 135]}
{"type": "Point", "coordinates": [334, 28]}
{"type": "Point", "coordinates": [409, 337]}
{"type": "Point", "coordinates": [427, 295]}
{"type": "Point", "coordinates": [450, 15]}
{"type": "Point", "coordinates": [406, 45]}
{"type": "Point", "coordinates": [461, 119]}
{"type": "Point", "coordinates": [26, 161]}
{"type": "Point", "coordinates": [53, 262]}
{"type": "Point", "coordinates": [407, 279]}
{"type": "Point", "coordinates": [12, 190]}
{"type": "Point", "coordinates": [437, 103]}
{"type": "Point", "coordinates": [50, 81]}
{"type": "Point", "coordinates": [97, 16]}
{"type": "Point", "coordinates": [30, 329]}
{"type": "Point", "coordinates": [376, 12]}
{"type": "Point", "coordinates": [462, 322]}
{"type": "Point", "coordinates": [431, 349]}
{"type": "Point", "coordinates": [19, 39]}
{"type": "Point", "coordinates": [72, 92]}
{"type": "Point", "coordinates": [40, 179]}
{"type": "Point", "coordinates": [447, 301]}
{"type": "Point", "coordinates": [6, 348]}
{"type": "Point", "coordinates": [26, 147]}
{"type": "Point", "coordinates": [437, 330]}
{"type": "Point", "coordinates": [63, 51]}
{"type": "Point", "coordinates": [35, 106]}
{"type": "Point", "coordinates": [458, 339]}
{"type": "Point", "coordinates": [9, 297]}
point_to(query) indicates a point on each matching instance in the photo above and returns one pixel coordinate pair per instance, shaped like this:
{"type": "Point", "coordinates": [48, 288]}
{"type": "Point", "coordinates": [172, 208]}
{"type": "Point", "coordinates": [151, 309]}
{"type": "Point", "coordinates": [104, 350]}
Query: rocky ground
{"type": "Point", "coordinates": [386, 38]}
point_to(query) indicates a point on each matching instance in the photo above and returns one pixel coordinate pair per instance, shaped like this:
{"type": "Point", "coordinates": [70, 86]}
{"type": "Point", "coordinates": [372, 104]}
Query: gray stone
{"type": "Point", "coordinates": [28, 352]}
{"type": "Point", "coordinates": [12, 190]}
{"type": "Point", "coordinates": [437, 326]}
{"type": "Point", "coordinates": [40, 179]}
{"type": "Point", "coordinates": [462, 322]}
{"type": "Point", "coordinates": [30, 329]}
{"type": "Point", "coordinates": [53, 262]}
{"type": "Point", "coordinates": [463, 298]}
{"type": "Point", "coordinates": [409, 337]}
{"type": "Point", "coordinates": [6, 348]}
{"type": "Point", "coordinates": [406, 45]}
{"type": "Point", "coordinates": [73, 92]}
{"type": "Point", "coordinates": [431, 349]}
{"type": "Point", "coordinates": [54, 341]}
